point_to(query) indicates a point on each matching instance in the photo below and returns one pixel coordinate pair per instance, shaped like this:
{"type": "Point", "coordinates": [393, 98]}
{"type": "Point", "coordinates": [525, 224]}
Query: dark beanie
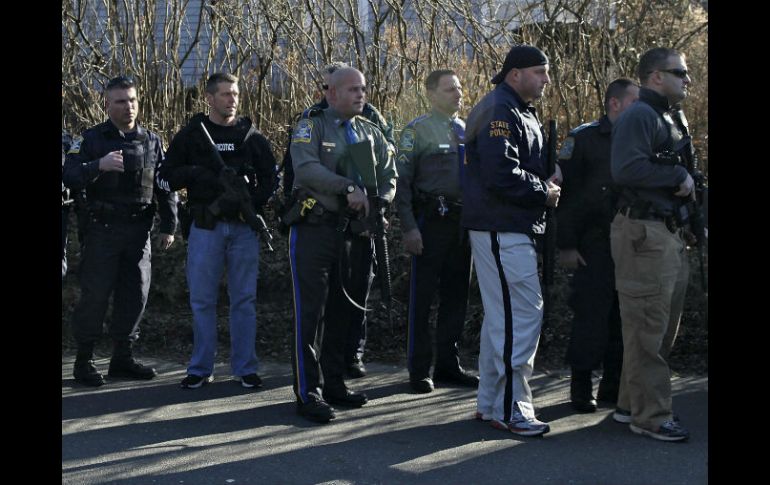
{"type": "Point", "coordinates": [520, 57]}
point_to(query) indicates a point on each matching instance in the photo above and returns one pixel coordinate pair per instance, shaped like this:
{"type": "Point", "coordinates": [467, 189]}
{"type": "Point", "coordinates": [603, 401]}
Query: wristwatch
{"type": "Point", "coordinates": [350, 189]}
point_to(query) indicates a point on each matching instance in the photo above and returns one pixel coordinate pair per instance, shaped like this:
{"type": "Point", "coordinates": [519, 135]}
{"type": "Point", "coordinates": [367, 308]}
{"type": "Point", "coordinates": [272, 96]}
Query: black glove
{"type": "Point", "coordinates": [204, 183]}
{"type": "Point", "coordinates": [229, 207]}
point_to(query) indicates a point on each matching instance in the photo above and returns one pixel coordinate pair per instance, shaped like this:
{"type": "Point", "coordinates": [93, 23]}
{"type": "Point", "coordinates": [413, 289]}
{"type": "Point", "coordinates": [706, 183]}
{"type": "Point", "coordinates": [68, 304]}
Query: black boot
{"type": "Point", "coordinates": [124, 365]}
{"type": "Point", "coordinates": [609, 387]}
{"type": "Point", "coordinates": [85, 371]}
{"type": "Point", "coordinates": [581, 392]}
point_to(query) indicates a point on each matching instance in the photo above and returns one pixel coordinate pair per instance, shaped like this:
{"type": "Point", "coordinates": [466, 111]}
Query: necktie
{"type": "Point", "coordinates": [351, 138]}
{"type": "Point", "coordinates": [459, 132]}
{"type": "Point", "coordinates": [350, 134]}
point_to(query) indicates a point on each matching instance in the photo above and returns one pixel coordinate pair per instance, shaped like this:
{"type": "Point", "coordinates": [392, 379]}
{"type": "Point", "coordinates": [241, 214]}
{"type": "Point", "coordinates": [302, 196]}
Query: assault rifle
{"type": "Point", "coordinates": [236, 191]}
{"type": "Point", "coordinates": [691, 211]}
{"type": "Point", "coordinates": [362, 156]}
{"type": "Point", "coordinates": [549, 238]}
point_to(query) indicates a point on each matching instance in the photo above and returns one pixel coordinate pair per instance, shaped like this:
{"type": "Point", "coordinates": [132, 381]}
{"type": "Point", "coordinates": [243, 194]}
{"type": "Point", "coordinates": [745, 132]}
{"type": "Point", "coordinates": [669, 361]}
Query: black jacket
{"type": "Point", "coordinates": [135, 186]}
{"type": "Point", "coordinates": [190, 164]}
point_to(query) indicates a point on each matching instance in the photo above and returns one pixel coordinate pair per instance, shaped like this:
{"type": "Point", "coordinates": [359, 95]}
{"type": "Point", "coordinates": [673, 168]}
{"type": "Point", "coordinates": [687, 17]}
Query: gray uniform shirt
{"type": "Point", "coordinates": [428, 163]}
{"type": "Point", "coordinates": [318, 145]}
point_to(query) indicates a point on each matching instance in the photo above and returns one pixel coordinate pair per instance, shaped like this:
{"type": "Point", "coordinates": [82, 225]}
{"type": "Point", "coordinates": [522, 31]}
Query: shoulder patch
{"type": "Point", "coordinates": [75, 145]}
{"type": "Point", "coordinates": [311, 111]}
{"type": "Point", "coordinates": [566, 148]}
{"type": "Point", "coordinates": [592, 124]}
{"type": "Point", "coordinates": [407, 140]}
{"type": "Point", "coordinates": [302, 131]}
{"type": "Point", "coordinates": [499, 129]}
{"type": "Point", "coordinates": [419, 119]}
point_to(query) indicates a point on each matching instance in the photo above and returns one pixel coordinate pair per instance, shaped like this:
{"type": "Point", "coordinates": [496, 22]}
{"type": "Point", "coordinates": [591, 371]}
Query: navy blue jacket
{"type": "Point", "coordinates": [504, 187]}
{"type": "Point", "coordinates": [142, 153]}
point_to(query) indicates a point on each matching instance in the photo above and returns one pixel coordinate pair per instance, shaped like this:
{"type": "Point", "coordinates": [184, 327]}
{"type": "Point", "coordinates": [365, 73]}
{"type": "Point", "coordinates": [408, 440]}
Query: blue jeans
{"type": "Point", "coordinates": [231, 245]}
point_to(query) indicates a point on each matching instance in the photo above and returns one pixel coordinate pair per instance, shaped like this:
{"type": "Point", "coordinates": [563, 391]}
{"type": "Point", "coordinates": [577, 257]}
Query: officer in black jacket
{"type": "Point", "coordinates": [584, 214]}
{"type": "Point", "coordinates": [219, 237]}
{"type": "Point", "coordinates": [115, 164]}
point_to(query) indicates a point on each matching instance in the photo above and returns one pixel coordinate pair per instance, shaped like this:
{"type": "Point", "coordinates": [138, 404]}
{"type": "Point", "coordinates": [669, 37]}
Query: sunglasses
{"type": "Point", "coordinates": [119, 80]}
{"type": "Point", "coordinates": [680, 73]}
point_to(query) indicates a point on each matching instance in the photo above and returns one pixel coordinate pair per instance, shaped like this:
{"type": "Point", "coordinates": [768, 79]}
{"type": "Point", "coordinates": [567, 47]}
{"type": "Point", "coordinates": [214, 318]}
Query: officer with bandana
{"type": "Point", "coordinates": [505, 195]}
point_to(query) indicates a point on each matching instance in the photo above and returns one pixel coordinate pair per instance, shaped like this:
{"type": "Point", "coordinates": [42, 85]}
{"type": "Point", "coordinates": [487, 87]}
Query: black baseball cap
{"type": "Point", "coordinates": [520, 57]}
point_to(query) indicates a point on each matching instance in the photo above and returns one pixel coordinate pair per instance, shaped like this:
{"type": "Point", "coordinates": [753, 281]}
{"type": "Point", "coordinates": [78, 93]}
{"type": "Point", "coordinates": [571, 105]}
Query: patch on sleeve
{"type": "Point", "coordinates": [303, 131]}
{"type": "Point", "coordinates": [499, 129]}
{"type": "Point", "coordinates": [566, 148]}
{"type": "Point", "coordinates": [407, 140]}
{"type": "Point", "coordinates": [75, 147]}
{"type": "Point", "coordinates": [403, 159]}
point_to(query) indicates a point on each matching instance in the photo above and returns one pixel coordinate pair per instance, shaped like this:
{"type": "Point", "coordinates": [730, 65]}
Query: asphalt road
{"type": "Point", "coordinates": [154, 432]}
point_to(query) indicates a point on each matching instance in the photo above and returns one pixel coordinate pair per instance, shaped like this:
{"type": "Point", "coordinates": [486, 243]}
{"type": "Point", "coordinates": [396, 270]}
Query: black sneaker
{"type": "Point", "coordinates": [668, 431]}
{"type": "Point", "coordinates": [422, 386]}
{"type": "Point", "coordinates": [318, 411]}
{"type": "Point", "coordinates": [85, 372]}
{"type": "Point", "coordinates": [251, 380]}
{"type": "Point", "coordinates": [194, 382]}
{"type": "Point", "coordinates": [622, 416]}
{"type": "Point", "coordinates": [130, 368]}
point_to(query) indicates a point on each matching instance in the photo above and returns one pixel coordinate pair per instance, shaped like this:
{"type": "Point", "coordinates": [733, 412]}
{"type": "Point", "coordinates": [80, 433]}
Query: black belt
{"type": "Point", "coordinates": [669, 220]}
{"type": "Point", "coordinates": [326, 218]}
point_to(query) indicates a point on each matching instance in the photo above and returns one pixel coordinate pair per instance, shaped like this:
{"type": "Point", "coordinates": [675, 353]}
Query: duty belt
{"type": "Point", "coordinates": [107, 212]}
{"type": "Point", "coordinates": [438, 204]}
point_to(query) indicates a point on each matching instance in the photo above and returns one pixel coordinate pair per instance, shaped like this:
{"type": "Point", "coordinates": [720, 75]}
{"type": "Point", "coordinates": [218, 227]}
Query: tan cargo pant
{"type": "Point", "coordinates": [651, 272]}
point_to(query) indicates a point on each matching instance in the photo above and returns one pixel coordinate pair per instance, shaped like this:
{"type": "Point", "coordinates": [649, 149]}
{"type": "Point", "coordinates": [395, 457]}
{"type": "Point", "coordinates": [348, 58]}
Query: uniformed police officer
{"type": "Point", "coordinates": [66, 203]}
{"type": "Point", "coordinates": [362, 259]}
{"type": "Point", "coordinates": [115, 163]}
{"type": "Point", "coordinates": [505, 195]}
{"type": "Point", "coordinates": [647, 242]}
{"type": "Point", "coordinates": [320, 244]}
{"type": "Point", "coordinates": [586, 209]}
{"type": "Point", "coordinates": [429, 201]}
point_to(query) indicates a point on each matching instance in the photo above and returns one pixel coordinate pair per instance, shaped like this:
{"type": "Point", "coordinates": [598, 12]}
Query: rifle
{"type": "Point", "coordinates": [691, 212]}
{"type": "Point", "coordinates": [549, 238]}
{"type": "Point", "coordinates": [237, 191]}
{"type": "Point", "coordinates": [362, 156]}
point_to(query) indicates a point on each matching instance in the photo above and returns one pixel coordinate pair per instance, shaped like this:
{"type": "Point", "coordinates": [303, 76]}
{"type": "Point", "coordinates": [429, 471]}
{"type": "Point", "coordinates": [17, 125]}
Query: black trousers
{"type": "Point", "coordinates": [318, 255]}
{"type": "Point", "coordinates": [443, 267]}
{"type": "Point", "coordinates": [596, 339]}
{"type": "Point", "coordinates": [115, 261]}
{"type": "Point", "coordinates": [359, 275]}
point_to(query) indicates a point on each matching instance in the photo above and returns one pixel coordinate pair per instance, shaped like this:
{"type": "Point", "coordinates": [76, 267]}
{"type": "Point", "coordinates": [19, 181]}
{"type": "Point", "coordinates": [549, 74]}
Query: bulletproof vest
{"type": "Point", "coordinates": [135, 184]}
{"type": "Point", "coordinates": [675, 134]}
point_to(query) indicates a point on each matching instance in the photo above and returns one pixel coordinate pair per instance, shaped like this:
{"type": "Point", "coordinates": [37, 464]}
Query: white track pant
{"type": "Point", "coordinates": [506, 267]}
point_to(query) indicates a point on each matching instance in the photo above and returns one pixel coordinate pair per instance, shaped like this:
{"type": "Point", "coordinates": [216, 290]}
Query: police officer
{"type": "Point", "coordinates": [586, 209]}
{"type": "Point", "coordinates": [362, 259]}
{"type": "Point", "coordinates": [115, 164]}
{"type": "Point", "coordinates": [505, 195]}
{"type": "Point", "coordinates": [219, 238]}
{"type": "Point", "coordinates": [429, 201]}
{"type": "Point", "coordinates": [648, 246]}
{"type": "Point", "coordinates": [66, 203]}
{"type": "Point", "coordinates": [320, 244]}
